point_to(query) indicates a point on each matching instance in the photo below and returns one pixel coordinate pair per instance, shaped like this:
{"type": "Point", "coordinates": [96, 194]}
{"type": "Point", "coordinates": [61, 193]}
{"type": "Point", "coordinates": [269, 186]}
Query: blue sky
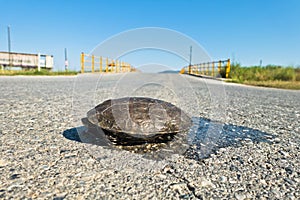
{"type": "Point", "coordinates": [245, 30]}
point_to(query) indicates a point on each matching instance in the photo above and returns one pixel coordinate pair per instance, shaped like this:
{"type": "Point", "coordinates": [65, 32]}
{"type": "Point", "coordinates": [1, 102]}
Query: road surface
{"type": "Point", "coordinates": [249, 141]}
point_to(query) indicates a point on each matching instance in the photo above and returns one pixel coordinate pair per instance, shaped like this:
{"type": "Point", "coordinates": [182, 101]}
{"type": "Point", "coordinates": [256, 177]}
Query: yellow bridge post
{"type": "Point", "coordinates": [82, 62]}
{"type": "Point", "coordinates": [106, 65]}
{"type": "Point", "coordinates": [100, 61]}
{"type": "Point", "coordinates": [207, 69]}
{"type": "Point", "coordinates": [117, 66]}
{"type": "Point", "coordinates": [200, 68]}
{"type": "Point", "coordinates": [228, 68]}
{"type": "Point", "coordinates": [114, 69]}
{"type": "Point", "coordinates": [93, 63]}
{"type": "Point", "coordinates": [213, 69]}
{"type": "Point", "coordinates": [112, 66]}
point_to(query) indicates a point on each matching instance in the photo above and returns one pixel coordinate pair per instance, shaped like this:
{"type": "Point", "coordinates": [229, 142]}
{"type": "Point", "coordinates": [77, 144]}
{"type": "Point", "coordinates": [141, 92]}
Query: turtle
{"type": "Point", "coordinates": [138, 120]}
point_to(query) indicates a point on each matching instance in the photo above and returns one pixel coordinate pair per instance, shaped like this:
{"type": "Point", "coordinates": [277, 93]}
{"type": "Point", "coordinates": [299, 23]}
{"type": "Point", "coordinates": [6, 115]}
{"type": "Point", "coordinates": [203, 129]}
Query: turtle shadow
{"type": "Point", "coordinates": [72, 134]}
{"type": "Point", "coordinates": [89, 136]}
{"type": "Point", "coordinates": [205, 137]}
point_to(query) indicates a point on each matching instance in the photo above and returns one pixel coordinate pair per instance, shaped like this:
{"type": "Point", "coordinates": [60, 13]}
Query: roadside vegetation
{"type": "Point", "coordinates": [267, 76]}
{"type": "Point", "coordinates": [36, 73]}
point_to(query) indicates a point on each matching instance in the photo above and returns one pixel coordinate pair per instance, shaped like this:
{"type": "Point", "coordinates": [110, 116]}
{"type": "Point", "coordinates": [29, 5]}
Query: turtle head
{"type": "Point", "coordinates": [92, 116]}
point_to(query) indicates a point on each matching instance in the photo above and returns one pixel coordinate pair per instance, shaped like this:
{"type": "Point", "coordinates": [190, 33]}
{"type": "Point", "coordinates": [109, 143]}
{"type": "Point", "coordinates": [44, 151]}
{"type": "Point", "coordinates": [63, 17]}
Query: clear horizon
{"type": "Point", "coordinates": [245, 31]}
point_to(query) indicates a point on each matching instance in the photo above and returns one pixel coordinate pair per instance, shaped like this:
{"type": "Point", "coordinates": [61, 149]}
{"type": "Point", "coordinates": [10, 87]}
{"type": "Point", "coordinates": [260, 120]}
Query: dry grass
{"type": "Point", "coordinates": [294, 85]}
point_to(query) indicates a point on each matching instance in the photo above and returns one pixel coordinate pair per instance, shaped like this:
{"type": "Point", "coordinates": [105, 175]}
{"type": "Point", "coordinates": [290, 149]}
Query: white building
{"type": "Point", "coordinates": [26, 60]}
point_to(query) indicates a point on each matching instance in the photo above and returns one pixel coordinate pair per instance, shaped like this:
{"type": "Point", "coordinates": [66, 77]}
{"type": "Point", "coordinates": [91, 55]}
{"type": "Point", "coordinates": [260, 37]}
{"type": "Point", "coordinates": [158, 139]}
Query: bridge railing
{"type": "Point", "coordinates": [219, 68]}
{"type": "Point", "coordinates": [98, 64]}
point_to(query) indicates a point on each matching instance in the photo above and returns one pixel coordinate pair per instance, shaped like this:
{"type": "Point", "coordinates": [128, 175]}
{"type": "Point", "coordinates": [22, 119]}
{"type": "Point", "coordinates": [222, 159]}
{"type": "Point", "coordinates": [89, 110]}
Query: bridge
{"type": "Point", "coordinates": [98, 64]}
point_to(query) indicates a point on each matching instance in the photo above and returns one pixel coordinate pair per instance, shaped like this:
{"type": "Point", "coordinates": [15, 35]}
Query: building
{"type": "Point", "coordinates": [25, 61]}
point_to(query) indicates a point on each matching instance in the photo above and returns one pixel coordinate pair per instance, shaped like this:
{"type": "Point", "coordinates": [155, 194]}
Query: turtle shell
{"type": "Point", "coordinates": [136, 120]}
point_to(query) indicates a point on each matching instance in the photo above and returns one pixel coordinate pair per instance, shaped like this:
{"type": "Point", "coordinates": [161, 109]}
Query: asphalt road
{"type": "Point", "coordinates": [244, 143]}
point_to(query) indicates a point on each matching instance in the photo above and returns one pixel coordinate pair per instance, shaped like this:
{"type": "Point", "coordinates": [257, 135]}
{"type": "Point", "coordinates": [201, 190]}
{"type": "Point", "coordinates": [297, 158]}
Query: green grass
{"type": "Point", "coordinates": [268, 76]}
{"type": "Point", "coordinates": [36, 73]}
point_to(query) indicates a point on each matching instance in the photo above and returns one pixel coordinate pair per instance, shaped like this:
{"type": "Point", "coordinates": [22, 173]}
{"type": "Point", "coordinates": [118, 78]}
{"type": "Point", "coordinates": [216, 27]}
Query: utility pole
{"type": "Point", "coordinates": [260, 63]}
{"type": "Point", "coordinates": [9, 46]}
{"type": "Point", "coordinates": [190, 65]}
{"type": "Point", "coordinates": [66, 60]}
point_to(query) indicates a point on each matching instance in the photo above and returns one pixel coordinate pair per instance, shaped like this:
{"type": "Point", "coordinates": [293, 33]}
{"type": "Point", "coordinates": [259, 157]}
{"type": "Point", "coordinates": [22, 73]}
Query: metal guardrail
{"type": "Point", "coordinates": [213, 69]}
{"type": "Point", "coordinates": [97, 64]}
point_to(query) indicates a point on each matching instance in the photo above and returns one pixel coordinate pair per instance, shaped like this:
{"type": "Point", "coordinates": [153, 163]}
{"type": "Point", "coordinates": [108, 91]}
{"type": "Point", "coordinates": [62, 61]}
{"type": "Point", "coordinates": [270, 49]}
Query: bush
{"type": "Point", "coordinates": [268, 73]}
{"type": "Point", "coordinates": [297, 70]}
{"type": "Point", "coordinates": [285, 74]}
